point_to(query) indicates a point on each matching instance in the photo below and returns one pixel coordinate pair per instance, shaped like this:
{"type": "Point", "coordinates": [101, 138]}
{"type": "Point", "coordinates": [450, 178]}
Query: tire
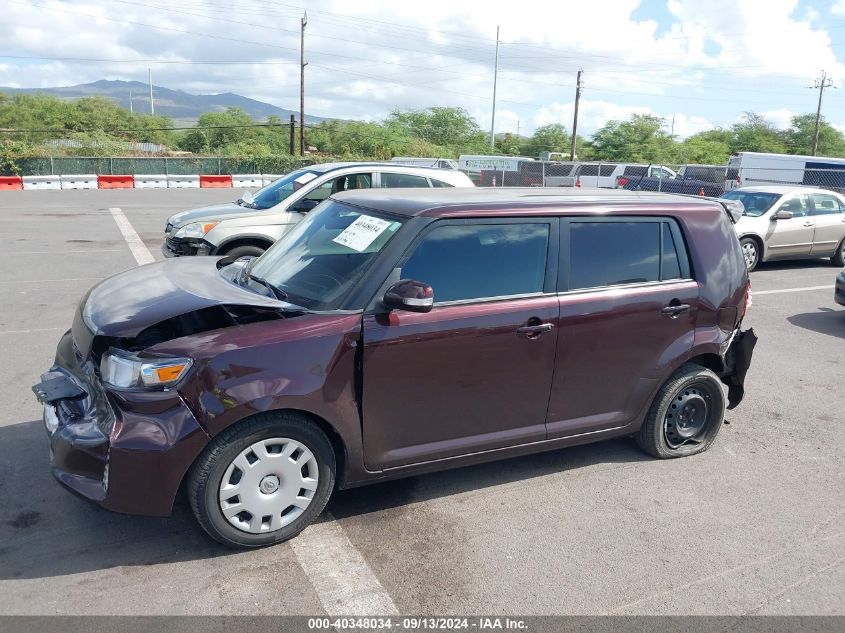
{"type": "Point", "coordinates": [282, 498]}
{"type": "Point", "coordinates": [838, 258]}
{"type": "Point", "coordinates": [694, 392]}
{"type": "Point", "coordinates": [751, 252]}
{"type": "Point", "coordinates": [245, 251]}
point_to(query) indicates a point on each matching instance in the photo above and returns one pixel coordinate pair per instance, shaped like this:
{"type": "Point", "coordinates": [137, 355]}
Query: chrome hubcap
{"type": "Point", "coordinates": [749, 250]}
{"type": "Point", "coordinates": [268, 485]}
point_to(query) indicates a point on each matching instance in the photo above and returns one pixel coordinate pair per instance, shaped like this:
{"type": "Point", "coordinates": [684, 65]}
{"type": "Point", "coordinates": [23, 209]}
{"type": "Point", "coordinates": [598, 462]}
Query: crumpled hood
{"type": "Point", "coordinates": [124, 305]}
{"type": "Point", "coordinates": [213, 212]}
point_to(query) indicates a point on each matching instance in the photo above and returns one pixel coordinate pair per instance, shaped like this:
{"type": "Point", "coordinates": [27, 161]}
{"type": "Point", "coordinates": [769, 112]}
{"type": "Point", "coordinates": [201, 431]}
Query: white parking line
{"type": "Point", "coordinates": [344, 582]}
{"type": "Point", "coordinates": [777, 292]}
{"type": "Point", "coordinates": [139, 250]}
{"type": "Point", "coordinates": [40, 329]}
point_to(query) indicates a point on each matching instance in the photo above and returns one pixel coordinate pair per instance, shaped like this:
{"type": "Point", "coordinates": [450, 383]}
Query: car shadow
{"type": "Point", "coordinates": [825, 321]}
{"type": "Point", "coordinates": [49, 532]}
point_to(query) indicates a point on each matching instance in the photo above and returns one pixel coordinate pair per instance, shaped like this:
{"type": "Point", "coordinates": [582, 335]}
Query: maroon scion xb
{"type": "Point", "coordinates": [395, 332]}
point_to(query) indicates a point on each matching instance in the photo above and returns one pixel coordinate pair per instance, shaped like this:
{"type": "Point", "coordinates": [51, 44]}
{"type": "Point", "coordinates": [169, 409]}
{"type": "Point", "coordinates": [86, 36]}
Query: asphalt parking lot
{"type": "Point", "coordinates": [756, 525]}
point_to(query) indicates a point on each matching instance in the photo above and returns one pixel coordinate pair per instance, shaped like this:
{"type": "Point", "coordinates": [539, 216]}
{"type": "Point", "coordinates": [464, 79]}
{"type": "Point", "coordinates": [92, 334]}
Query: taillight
{"type": "Point", "coordinates": [621, 181]}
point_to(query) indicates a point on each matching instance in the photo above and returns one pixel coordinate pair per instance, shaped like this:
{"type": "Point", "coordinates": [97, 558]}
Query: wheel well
{"type": "Point", "coordinates": [243, 241]}
{"type": "Point", "coordinates": [338, 447]}
{"type": "Point", "coordinates": [711, 361]}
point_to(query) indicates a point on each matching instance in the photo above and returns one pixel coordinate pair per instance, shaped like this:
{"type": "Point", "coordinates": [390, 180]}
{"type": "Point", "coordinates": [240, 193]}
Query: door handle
{"type": "Point", "coordinates": [533, 331]}
{"type": "Point", "coordinates": [808, 224]}
{"type": "Point", "coordinates": [674, 310]}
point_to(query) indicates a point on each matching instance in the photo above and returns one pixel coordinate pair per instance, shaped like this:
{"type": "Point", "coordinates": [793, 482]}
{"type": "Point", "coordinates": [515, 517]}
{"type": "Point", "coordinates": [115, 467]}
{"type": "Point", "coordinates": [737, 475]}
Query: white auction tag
{"type": "Point", "coordinates": [362, 232]}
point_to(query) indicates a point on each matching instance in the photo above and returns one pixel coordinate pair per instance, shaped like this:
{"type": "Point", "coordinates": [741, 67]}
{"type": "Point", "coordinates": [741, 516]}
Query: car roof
{"type": "Point", "coordinates": [781, 189]}
{"type": "Point", "coordinates": [535, 200]}
{"type": "Point", "coordinates": [323, 168]}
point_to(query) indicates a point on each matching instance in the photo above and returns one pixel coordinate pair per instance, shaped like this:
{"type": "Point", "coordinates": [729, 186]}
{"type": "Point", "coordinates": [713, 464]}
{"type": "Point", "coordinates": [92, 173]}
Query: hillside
{"type": "Point", "coordinates": [183, 107]}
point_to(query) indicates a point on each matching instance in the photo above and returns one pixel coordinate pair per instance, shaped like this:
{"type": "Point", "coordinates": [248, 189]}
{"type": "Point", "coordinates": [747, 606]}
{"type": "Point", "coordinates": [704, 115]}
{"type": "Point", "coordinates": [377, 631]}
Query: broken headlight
{"type": "Point", "coordinates": [195, 229]}
{"type": "Point", "coordinates": [121, 369]}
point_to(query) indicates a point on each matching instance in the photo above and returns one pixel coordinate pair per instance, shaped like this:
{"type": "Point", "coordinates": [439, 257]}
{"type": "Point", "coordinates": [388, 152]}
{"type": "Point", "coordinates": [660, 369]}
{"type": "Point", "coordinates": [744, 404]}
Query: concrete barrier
{"type": "Point", "coordinates": [183, 182]}
{"type": "Point", "coordinates": [115, 182]}
{"type": "Point", "coordinates": [41, 182]}
{"type": "Point", "coordinates": [211, 181]}
{"type": "Point", "coordinates": [11, 182]}
{"type": "Point", "coordinates": [150, 181]}
{"type": "Point", "coordinates": [247, 180]}
{"type": "Point", "coordinates": [266, 179]}
{"type": "Point", "coordinates": [78, 181]}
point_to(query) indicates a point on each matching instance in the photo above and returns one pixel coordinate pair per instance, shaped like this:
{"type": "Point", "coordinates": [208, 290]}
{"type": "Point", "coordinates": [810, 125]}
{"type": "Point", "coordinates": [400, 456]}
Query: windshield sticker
{"type": "Point", "coordinates": [305, 178]}
{"type": "Point", "coordinates": [362, 232]}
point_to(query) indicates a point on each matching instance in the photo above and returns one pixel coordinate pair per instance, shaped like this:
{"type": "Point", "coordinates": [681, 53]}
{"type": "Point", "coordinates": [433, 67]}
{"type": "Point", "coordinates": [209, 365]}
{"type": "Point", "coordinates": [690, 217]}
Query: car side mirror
{"type": "Point", "coordinates": [410, 295]}
{"type": "Point", "coordinates": [783, 215]}
{"type": "Point", "coordinates": [304, 205]}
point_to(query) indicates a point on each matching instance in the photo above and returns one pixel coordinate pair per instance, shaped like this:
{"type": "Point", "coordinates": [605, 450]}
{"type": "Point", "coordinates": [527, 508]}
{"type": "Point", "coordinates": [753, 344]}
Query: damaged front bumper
{"type": "Point", "coordinates": [181, 247]}
{"type": "Point", "coordinates": [737, 356]}
{"type": "Point", "coordinates": [124, 450]}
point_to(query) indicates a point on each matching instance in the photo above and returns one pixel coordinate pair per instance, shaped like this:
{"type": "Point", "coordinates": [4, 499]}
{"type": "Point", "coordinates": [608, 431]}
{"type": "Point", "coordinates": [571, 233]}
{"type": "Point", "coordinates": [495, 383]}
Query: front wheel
{"type": "Point", "coordinates": [262, 481]}
{"type": "Point", "coordinates": [751, 252]}
{"type": "Point", "coordinates": [686, 415]}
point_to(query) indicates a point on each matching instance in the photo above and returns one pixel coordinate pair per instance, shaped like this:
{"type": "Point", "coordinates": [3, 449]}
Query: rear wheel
{"type": "Point", "coordinates": [686, 415]}
{"type": "Point", "coordinates": [751, 252]}
{"type": "Point", "coordinates": [838, 258]}
{"type": "Point", "coordinates": [262, 481]}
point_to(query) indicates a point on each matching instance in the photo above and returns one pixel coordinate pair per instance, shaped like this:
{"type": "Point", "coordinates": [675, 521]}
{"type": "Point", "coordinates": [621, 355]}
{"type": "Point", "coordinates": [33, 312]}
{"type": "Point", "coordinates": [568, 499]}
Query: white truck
{"type": "Point", "coordinates": [472, 165]}
{"type": "Point", "coordinates": [757, 168]}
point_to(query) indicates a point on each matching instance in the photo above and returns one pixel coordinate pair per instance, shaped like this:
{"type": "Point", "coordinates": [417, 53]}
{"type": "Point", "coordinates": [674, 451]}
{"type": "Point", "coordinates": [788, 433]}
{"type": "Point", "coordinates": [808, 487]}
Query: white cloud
{"type": "Point", "coordinates": [705, 66]}
{"type": "Point", "coordinates": [780, 118]}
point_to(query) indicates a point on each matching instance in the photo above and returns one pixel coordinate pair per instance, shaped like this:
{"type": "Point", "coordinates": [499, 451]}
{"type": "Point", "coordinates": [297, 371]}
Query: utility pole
{"type": "Point", "coordinates": [821, 84]}
{"type": "Point", "coordinates": [293, 135]}
{"type": "Point", "coordinates": [302, 65]}
{"type": "Point", "coordinates": [672, 132]}
{"type": "Point", "coordinates": [517, 129]}
{"type": "Point", "coordinates": [495, 79]}
{"type": "Point", "coordinates": [131, 109]}
{"type": "Point", "coordinates": [152, 102]}
{"type": "Point", "coordinates": [575, 117]}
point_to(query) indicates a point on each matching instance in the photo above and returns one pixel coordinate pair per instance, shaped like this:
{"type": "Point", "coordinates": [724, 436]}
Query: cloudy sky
{"type": "Point", "coordinates": [703, 63]}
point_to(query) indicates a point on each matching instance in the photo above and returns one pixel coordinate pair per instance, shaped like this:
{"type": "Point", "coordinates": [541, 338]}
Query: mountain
{"type": "Point", "coordinates": [183, 107]}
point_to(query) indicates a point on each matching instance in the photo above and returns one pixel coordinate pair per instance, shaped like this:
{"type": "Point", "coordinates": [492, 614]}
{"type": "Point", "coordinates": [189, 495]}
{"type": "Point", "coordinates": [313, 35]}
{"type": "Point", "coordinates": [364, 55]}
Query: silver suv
{"type": "Point", "coordinates": [788, 222]}
{"type": "Point", "coordinates": [250, 225]}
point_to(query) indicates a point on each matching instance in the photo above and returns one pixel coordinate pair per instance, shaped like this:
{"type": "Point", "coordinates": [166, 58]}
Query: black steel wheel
{"type": "Point", "coordinates": [686, 414]}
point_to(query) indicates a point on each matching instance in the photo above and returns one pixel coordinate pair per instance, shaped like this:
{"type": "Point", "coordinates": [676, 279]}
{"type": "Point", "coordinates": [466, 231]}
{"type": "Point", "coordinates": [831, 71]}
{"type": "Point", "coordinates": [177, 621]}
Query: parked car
{"type": "Point", "coordinates": [437, 163]}
{"type": "Point", "coordinates": [610, 175]}
{"type": "Point", "coordinates": [251, 224]}
{"type": "Point", "coordinates": [392, 333]}
{"type": "Point", "coordinates": [705, 180]}
{"type": "Point", "coordinates": [787, 222]}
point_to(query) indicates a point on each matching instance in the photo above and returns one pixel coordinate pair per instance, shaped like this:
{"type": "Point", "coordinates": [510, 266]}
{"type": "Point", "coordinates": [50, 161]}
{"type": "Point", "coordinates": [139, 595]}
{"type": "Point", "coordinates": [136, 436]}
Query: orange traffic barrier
{"type": "Point", "coordinates": [115, 182]}
{"type": "Point", "coordinates": [212, 181]}
{"type": "Point", "coordinates": [11, 182]}
{"type": "Point", "coordinates": [701, 192]}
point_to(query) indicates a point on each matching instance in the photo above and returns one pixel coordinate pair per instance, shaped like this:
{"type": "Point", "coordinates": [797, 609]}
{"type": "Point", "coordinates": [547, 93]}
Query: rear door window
{"type": "Point", "coordinates": [467, 261]}
{"type": "Point", "coordinates": [623, 252]}
{"type": "Point", "coordinates": [392, 180]}
{"type": "Point", "coordinates": [825, 204]}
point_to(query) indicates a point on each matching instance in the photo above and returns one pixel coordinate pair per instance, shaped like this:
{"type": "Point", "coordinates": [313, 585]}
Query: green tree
{"type": "Point", "coordinates": [711, 147]}
{"type": "Point", "coordinates": [799, 137]}
{"type": "Point", "coordinates": [508, 144]}
{"type": "Point", "coordinates": [756, 134]}
{"type": "Point", "coordinates": [438, 125]}
{"type": "Point", "coordinates": [639, 139]}
{"type": "Point", "coordinates": [547, 138]}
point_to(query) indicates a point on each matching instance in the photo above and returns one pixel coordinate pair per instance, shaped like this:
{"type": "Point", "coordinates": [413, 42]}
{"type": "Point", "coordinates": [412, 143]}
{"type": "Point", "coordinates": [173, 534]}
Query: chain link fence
{"type": "Point", "coordinates": [704, 180]}
{"type": "Point", "coordinates": [154, 165]}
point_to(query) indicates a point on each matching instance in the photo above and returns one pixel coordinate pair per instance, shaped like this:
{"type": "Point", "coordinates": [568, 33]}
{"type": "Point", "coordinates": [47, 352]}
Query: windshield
{"type": "Point", "coordinates": [319, 260]}
{"type": "Point", "coordinates": [756, 203]}
{"type": "Point", "coordinates": [271, 195]}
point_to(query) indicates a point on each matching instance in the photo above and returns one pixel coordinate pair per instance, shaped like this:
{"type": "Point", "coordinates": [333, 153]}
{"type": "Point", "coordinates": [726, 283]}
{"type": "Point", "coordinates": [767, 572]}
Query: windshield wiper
{"type": "Point", "coordinates": [280, 294]}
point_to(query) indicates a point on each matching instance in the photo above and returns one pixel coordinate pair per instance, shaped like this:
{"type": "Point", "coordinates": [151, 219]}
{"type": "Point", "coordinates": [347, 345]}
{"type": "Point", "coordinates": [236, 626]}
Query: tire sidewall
{"type": "Point", "coordinates": [245, 251]}
{"type": "Point", "coordinates": [230, 446]}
